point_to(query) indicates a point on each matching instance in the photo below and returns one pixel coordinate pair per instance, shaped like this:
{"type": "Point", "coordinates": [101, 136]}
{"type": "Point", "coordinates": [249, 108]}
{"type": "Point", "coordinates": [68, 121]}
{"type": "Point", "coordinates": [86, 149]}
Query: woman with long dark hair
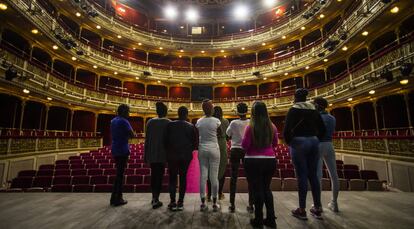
{"type": "Point", "coordinates": [259, 140]}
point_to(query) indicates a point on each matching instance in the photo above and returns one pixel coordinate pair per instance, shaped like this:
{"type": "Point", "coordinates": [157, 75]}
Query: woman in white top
{"type": "Point", "coordinates": [208, 153]}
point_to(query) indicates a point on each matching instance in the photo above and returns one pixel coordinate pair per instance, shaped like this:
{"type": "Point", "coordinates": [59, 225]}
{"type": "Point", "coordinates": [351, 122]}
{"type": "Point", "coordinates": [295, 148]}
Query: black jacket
{"type": "Point", "coordinates": [181, 140]}
{"type": "Point", "coordinates": [303, 120]}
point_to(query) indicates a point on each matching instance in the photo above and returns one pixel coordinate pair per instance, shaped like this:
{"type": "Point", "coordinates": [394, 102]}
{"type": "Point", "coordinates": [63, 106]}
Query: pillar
{"type": "Point", "coordinates": [22, 114]}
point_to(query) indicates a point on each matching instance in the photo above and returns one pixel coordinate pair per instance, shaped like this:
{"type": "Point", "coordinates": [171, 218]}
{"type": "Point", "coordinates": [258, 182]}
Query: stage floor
{"type": "Point", "coordinates": [91, 210]}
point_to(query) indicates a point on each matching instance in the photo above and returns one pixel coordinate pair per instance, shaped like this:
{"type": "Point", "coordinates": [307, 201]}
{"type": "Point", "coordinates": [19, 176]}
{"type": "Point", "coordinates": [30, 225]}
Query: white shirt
{"type": "Point", "coordinates": [207, 131]}
{"type": "Point", "coordinates": [236, 132]}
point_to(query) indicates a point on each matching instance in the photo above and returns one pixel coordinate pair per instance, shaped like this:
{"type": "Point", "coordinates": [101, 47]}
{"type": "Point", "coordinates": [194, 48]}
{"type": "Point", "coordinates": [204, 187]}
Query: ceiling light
{"type": "Point", "coordinates": [321, 15]}
{"type": "Point", "coordinates": [78, 14]}
{"type": "Point", "coordinates": [404, 81]}
{"type": "Point", "coordinates": [303, 28]}
{"type": "Point", "coordinates": [243, 48]}
{"type": "Point", "coordinates": [191, 15]}
{"type": "Point", "coordinates": [371, 92]}
{"type": "Point", "coordinates": [344, 48]}
{"type": "Point", "coordinates": [263, 44]}
{"type": "Point", "coordinates": [161, 48]}
{"type": "Point", "coordinates": [241, 12]}
{"type": "Point", "coordinates": [307, 67]}
{"type": "Point", "coordinates": [50, 99]}
{"type": "Point", "coordinates": [26, 91]}
{"type": "Point", "coordinates": [35, 31]}
{"type": "Point", "coordinates": [283, 37]}
{"type": "Point", "coordinates": [115, 73]}
{"type": "Point", "coordinates": [265, 78]}
{"type": "Point", "coordinates": [139, 43]}
{"type": "Point", "coordinates": [95, 67]}
{"type": "Point", "coordinates": [349, 100]}
{"type": "Point", "coordinates": [119, 36]}
{"type": "Point", "coordinates": [74, 58]}
{"type": "Point", "coordinates": [325, 60]}
{"type": "Point", "coordinates": [170, 12]}
{"type": "Point", "coordinates": [269, 3]}
{"type": "Point", "coordinates": [137, 78]}
{"type": "Point", "coordinates": [98, 27]}
{"type": "Point", "coordinates": [3, 6]}
{"type": "Point", "coordinates": [365, 33]}
{"type": "Point", "coordinates": [55, 47]}
{"type": "Point", "coordinates": [222, 51]}
{"type": "Point", "coordinates": [395, 10]}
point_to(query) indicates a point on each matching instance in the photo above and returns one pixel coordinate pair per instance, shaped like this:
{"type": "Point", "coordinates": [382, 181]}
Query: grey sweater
{"type": "Point", "coordinates": [155, 140]}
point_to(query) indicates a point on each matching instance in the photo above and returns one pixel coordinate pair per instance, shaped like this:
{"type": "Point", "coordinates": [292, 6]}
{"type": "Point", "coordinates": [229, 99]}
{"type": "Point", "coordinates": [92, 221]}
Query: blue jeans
{"type": "Point", "coordinates": [305, 156]}
{"type": "Point", "coordinates": [327, 154]}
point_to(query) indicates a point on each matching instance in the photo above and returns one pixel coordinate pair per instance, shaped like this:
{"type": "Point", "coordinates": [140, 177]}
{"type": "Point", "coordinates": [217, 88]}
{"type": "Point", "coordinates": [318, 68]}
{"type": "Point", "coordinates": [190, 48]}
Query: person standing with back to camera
{"type": "Point", "coordinates": [303, 129]}
{"type": "Point", "coordinates": [208, 154]}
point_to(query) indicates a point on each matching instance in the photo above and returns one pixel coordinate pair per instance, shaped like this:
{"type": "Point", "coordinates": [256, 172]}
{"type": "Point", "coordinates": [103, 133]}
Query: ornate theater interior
{"type": "Point", "coordinates": [66, 66]}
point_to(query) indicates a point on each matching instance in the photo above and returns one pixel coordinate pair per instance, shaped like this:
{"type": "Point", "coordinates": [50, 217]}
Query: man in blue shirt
{"type": "Point", "coordinates": [121, 131]}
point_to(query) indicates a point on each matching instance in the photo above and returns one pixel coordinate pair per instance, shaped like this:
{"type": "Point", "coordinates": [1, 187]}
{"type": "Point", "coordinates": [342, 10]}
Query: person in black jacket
{"type": "Point", "coordinates": [303, 129]}
{"type": "Point", "coordinates": [181, 142]}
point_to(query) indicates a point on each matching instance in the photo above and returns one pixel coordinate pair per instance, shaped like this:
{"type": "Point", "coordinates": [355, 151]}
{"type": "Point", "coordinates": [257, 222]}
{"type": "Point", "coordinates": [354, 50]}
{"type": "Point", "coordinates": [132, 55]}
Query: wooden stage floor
{"type": "Point", "coordinates": [91, 210]}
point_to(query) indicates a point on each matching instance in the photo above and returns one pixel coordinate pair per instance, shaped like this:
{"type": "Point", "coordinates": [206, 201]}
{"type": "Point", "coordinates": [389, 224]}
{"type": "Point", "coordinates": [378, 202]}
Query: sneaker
{"type": "Point", "coordinates": [203, 207]}
{"type": "Point", "coordinates": [232, 208]}
{"type": "Point", "coordinates": [180, 206]}
{"type": "Point", "coordinates": [333, 206]}
{"type": "Point", "coordinates": [216, 207]}
{"type": "Point", "coordinates": [316, 212]}
{"type": "Point", "coordinates": [250, 209]}
{"type": "Point", "coordinates": [172, 206]}
{"type": "Point", "coordinates": [256, 223]}
{"type": "Point", "coordinates": [221, 196]}
{"type": "Point", "coordinates": [156, 204]}
{"type": "Point", "coordinates": [300, 214]}
{"type": "Point", "coordinates": [269, 223]}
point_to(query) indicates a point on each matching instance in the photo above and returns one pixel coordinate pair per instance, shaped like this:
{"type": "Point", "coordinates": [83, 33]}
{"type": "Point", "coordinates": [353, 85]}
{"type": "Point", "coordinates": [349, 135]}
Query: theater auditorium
{"type": "Point", "coordinates": [77, 77]}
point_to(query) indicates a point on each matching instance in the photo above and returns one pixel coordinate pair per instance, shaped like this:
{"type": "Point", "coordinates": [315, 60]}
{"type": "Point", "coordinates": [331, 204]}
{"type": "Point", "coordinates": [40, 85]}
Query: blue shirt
{"type": "Point", "coordinates": [120, 130]}
{"type": "Point", "coordinates": [330, 123]}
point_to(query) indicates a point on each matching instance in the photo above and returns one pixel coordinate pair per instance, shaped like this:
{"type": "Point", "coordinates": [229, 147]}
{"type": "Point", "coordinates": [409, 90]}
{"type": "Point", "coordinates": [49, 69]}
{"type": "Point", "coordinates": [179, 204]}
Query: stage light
{"type": "Point", "coordinates": [74, 58]}
{"type": "Point", "coordinates": [365, 33]}
{"type": "Point", "coordinates": [241, 12]}
{"type": "Point", "coordinates": [3, 6]}
{"type": "Point", "coordinates": [98, 27]}
{"type": "Point", "coordinates": [191, 15]}
{"type": "Point", "coordinates": [170, 12]}
{"type": "Point", "coordinates": [55, 47]}
{"type": "Point", "coordinates": [115, 73]}
{"type": "Point", "coordinates": [404, 81]}
{"type": "Point", "coordinates": [344, 48]}
{"type": "Point", "coordinates": [269, 3]}
{"type": "Point", "coordinates": [350, 99]}
{"type": "Point", "coordinates": [50, 99]}
{"type": "Point", "coordinates": [371, 92]}
{"type": "Point", "coordinates": [395, 10]}
{"type": "Point", "coordinates": [26, 91]}
{"type": "Point", "coordinates": [78, 14]}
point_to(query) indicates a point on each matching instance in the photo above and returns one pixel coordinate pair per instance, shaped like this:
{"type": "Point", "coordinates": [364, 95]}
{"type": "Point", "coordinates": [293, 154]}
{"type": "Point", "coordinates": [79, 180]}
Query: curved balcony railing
{"type": "Point", "coordinates": [169, 42]}
{"type": "Point", "coordinates": [365, 77]}
{"type": "Point", "coordinates": [295, 61]}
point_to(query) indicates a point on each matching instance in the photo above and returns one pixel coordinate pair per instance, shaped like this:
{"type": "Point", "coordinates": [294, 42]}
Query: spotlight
{"type": "Point", "coordinates": [171, 12]}
{"type": "Point", "coordinates": [406, 69]}
{"type": "Point", "coordinates": [191, 15]}
{"type": "Point", "coordinates": [11, 73]}
{"type": "Point", "coordinates": [241, 12]}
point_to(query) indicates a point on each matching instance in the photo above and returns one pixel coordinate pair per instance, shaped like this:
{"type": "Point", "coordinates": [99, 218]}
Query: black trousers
{"type": "Point", "coordinates": [259, 175]}
{"type": "Point", "coordinates": [157, 175]}
{"type": "Point", "coordinates": [178, 168]}
{"type": "Point", "coordinates": [221, 184]}
{"type": "Point", "coordinates": [236, 157]}
{"type": "Point", "coordinates": [120, 163]}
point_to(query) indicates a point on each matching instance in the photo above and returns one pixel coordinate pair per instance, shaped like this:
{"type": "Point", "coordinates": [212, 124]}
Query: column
{"type": "Point", "coordinates": [72, 112]}
{"type": "Point", "coordinates": [374, 105]}
{"type": "Point", "coordinates": [47, 107]}
{"type": "Point", "coordinates": [23, 105]}
{"type": "Point", "coordinates": [407, 108]}
{"type": "Point", "coordinates": [353, 119]}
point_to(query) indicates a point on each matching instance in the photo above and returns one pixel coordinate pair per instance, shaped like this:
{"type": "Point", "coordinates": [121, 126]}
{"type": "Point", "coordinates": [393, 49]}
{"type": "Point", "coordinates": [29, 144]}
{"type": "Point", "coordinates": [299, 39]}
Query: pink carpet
{"type": "Point", "coordinates": [193, 175]}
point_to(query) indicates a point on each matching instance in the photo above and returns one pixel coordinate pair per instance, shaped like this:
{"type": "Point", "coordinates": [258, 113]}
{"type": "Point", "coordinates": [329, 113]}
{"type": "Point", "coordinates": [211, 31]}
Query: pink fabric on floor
{"type": "Point", "coordinates": [193, 175]}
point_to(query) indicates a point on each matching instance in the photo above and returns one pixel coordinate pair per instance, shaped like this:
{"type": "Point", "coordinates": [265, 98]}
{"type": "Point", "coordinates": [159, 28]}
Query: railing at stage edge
{"type": "Point", "coordinates": [365, 78]}
{"type": "Point", "coordinates": [277, 66]}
